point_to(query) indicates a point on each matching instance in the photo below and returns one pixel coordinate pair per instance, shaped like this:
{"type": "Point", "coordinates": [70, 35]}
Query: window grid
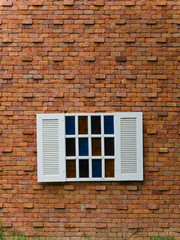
{"type": "Point", "coordinates": [90, 156]}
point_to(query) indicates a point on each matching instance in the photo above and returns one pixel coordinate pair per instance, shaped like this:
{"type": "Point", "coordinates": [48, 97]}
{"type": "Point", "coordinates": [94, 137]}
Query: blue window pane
{"type": "Point", "coordinates": [70, 125]}
{"type": "Point", "coordinates": [96, 168]}
{"type": "Point", "coordinates": [83, 147]}
{"type": "Point", "coordinates": [108, 125]}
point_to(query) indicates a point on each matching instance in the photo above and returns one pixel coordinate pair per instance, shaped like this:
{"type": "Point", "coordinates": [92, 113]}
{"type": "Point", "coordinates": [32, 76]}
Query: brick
{"type": "Point", "coordinates": [7, 40]}
{"type": "Point", "coordinates": [60, 206]}
{"type": "Point", "coordinates": [58, 95]}
{"type": "Point", "coordinates": [122, 207]}
{"type": "Point", "coordinates": [28, 205]}
{"type": "Point", "coordinates": [99, 3]}
{"type": "Point", "coordinates": [120, 22]}
{"type": "Point", "coordinates": [99, 40]}
{"type": "Point", "coordinates": [38, 40]}
{"type": "Point", "coordinates": [131, 77]}
{"type": "Point", "coordinates": [152, 59]}
{"type": "Point", "coordinates": [162, 114]}
{"type": "Point", "coordinates": [69, 225]}
{"type": "Point", "coordinates": [100, 76]}
{"type": "Point", "coordinates": [101, 225]}
{"type": "Point", "coordinates": [38, 224]}
{"type": "Point", "coordinates": [68, 40]}
{"type": "Point", "coordinates": [153, 169]}
{"type": "Point", "coordinates": [38, 187]}
{"type": "Point", "coordinates": [1, 205]}
{"type": "Point", "coordinates": [132, 188]}
{"type": "Point", "coordinates": [28, 95]}
{"type": "Point", "coordinates": [69, 77]}
{"type": "Point", "coordinates": [91, 206]}
{"type": "Point", "coordinates": [152, 95]}
{"type": "Point", "coordinates": [7, 187]}
{"type": "Point", "coordinates": [133, 225]}
{"type": "Point", "coordinates": [101, 188]}
{"type": "Point", "coordinates": [28, 168]}
{"type": "Point", "coordinates": [164, 188]}
{"type": "Point", "coordinates": [178, 58]}
{"type": "Point", "coordinates": [130, 3]}
{"type": "Point", "coordinates": [58, 59]}
{"type": "Point", "coordinates": [7, 76]}
{"type": "Point", "coordinates": [68, 2]}
{"type": "Point", "coordinates": [27, 59]}
{"type": "Point", "coordinates": [7, 3]}
{"type": "Point", "coordinates": [161, 3]}
{"type": "Point", "coordinates": [27, 22]}
{"type": "Point", "coordinates": [90, 95]}
{"type": "Point", "coordinates": [121, 59]}
{"type": "Point", "coordinates": [7, 224]}
{"type": "Point", "coordinates": [38, 77]}
{"type": "Point", "coordinates": [130, 40]}
{"type": "Point", "coordinates": [7, 150]}
{"type": "Point", "coordinates": [89, 22]}
{"type": "Point", "coordinates": [151, 22]}
{"type": "Point", "coordinates": [69, 187]}
{"type": "Point", "coordinates": [1, 168]}
{"type": "Point", "coordinates": [89, 58]}
{"type": "Point", "coordinates": [0, 131]}
{"type": "Point", "coordinates": [151, 131]}
{"type": "Point", "coordinates": [163, 150]}
{"type": "Point", "coordinates": [37, 3]}
{"type": "Point", "coordinates": [164, 225]}
{"type": "Point", "coordinates": [58, 22]}
{"type": "Point", "coordinates": [121, 94]}
{"type": "Point", "coordinates": [161, 40]}
{"type": "Point", "coordinates": [153, 207]}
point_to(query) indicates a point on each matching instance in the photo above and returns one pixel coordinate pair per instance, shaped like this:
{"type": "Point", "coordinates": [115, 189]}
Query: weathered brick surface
{"type": "Point", "coordinates": [90, 56]}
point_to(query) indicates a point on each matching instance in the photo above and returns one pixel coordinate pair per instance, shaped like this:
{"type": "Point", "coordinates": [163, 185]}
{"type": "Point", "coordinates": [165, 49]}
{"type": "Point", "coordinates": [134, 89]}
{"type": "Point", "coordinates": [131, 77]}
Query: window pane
{"type": "Point", "coordinates": [108, 125]}
{"type": "Point", "coordinates": [83, 168]}
{"type": "Point", "coordinates": [95, 125]}
{"type": "Point", "coordinates": [96, 146]}
{"type": "Point", "coordinates": [70, 125]}
{"type": "Point", "coordinates": [70, 147]}
{"type": "Point", "coordinates": [109, 168]}
{"type": "Point", "coordinates": [109, 146]}
{"type": "Point", "coordinates": [96, 168]}
{"type": "Point", "coordinates": [83, 124]}
{"type": "Point", "coordinates": [83, 147]}
{"type": "Point", "coordinates": [70, 168]}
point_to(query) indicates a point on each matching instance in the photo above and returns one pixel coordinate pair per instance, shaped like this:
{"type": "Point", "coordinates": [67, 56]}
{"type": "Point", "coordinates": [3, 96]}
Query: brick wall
{"type": "Point", "coordinates": [88, 56]}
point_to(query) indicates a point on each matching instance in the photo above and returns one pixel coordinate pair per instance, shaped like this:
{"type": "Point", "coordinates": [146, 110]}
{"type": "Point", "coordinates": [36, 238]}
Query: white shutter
{"type": "Point", "coordinates": [129, 149]}
{"type": "Point", "coordinates": [50, 147]}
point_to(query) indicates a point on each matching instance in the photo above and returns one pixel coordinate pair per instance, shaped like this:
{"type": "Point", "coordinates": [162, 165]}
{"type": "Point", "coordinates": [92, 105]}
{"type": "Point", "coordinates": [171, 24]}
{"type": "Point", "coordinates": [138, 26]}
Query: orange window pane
{"type": "Point", "coordinates": [109, 168]}
{"type": "Point", "coordinates": [70, 168]}
{"type": "Point", "coordinates": [83, 125]}
{"type": "Point", "coordinates": [96, 146]}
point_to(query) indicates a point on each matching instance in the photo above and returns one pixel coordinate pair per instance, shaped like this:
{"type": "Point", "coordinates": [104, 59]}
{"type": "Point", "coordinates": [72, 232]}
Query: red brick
{"type": "Point", "coordinates": [99, 40]}
{"type": "Point", "coordinates": [101, 188]}
{"type": "Point", "coordinates": [161, 40]}
{"type": "Point", "coordinates": [164, 225]}
{"type": "Point", "coordinates": [7, 150]}
{"type": "Point", "coordinates": [58, 59]}
{"type": "Point", "coordinates": [89, 58]}
{"type": "Point", "coordinates": [120, 22]}
{"type": "Point", "coordinates": [100, 76]}
{"type": "Point", "coordinates": [99, 3]}
{"type": "Point", "coordinates": [130, 3]}
{"type": "Point", "coordinates": [7, 76]}
{"type": "Point", "coordinates": [121, 59]}
{"type": "Point", "coordinates": [69, 77]}
{"type": "Point", "coordinates": [27, 22]}
{"type": "Point", "coordinates": [37, 3]}
{"type": "Point", "coordinates": [38, 224]}
{"type": "Point", "coordinates": [58, 22]}
{"type": "Point", "coordinates": [152, 59]}
{"type": "Point", "coordinates": [91, 206]}
{"type": "Point", "coordinates": [28, 205]}
{"type": "Point", "coordinates": [122, 207]}
{"type": "Point", "coordinates": [69, 187]}
{"type": "Point", "coordinates": [28, 168]}
{"type": "Point", "coordinates": [7, 3]}
{"type": "Point", "coordinates": [152, 95]}
{"type": "Point", "coordinates": [7, 40]}
{"type": "Point", "coordinates": [161, 3]}
{"type": "Point", "coordinates": [122, 95]}
{"type": "Point", "coordinates": [163, 150]}
{"type": "Point", "coordinates": [60, 206]}
{"type": "Point", "coordinates": [151, 131]}
{"type": "Point", "coordinates": [153, 207]}
{"type": "Point", "coordinates": [1, 205]}
{"type": "Point", "coordinates": [101, 225]}
{"type": "Point", "coordinates": [27, 58]}
{"type": "Point", "coordinates": [89, 22]}
{"type": "Point", "coordinates": [132, 188]}
{"type": "Point", "coordinates": [68, 2]}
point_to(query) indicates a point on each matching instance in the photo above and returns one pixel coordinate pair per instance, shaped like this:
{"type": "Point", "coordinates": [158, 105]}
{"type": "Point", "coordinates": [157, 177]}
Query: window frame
{"type": "Point", "coordinates": [117, 141]}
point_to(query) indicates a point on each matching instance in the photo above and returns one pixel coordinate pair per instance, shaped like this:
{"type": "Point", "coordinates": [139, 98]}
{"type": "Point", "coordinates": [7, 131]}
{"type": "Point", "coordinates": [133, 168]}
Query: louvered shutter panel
{"type": "Point", "coordinates": [50, 147]}
{"type": "Point", "coordinates": [129, 146]}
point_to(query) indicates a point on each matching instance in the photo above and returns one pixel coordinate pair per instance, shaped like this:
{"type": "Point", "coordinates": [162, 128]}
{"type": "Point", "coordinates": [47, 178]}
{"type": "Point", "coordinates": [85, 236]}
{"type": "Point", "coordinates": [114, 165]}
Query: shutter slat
{"type": "Point", "coordinates": [128, 145]}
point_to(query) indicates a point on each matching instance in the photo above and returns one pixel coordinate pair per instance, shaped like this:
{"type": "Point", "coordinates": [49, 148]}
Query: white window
{"type": "Point", "coordinates": [90, 147]}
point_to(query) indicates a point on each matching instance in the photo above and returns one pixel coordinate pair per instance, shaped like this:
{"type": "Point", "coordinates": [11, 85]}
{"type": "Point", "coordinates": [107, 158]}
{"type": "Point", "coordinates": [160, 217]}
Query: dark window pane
{"type": "Point", "coordinates": [70, 125]}
{"type": "Point", "coordinates": [109, 146]}
{"type": "Point", "coordinates": [83, 147]}
{"type": "Point", "coordinates": [83, 124]}
{"type": "Point", "coordinates": [70, 147]}
{"type": "Point", "coordinates": [96, 146]}
{"type": "Point", "coordinates": [83, 168]}
{"type": "Point", "coordinates": [95, 125]}
{"type": "Point", "coordinates": [96, 168]}
{"type": "Point", "coordinates": [70, 168]}
{"type": "Point", "coordinates": [108, 125]}
{"type": "Point", "coordinates": [109, 168]}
